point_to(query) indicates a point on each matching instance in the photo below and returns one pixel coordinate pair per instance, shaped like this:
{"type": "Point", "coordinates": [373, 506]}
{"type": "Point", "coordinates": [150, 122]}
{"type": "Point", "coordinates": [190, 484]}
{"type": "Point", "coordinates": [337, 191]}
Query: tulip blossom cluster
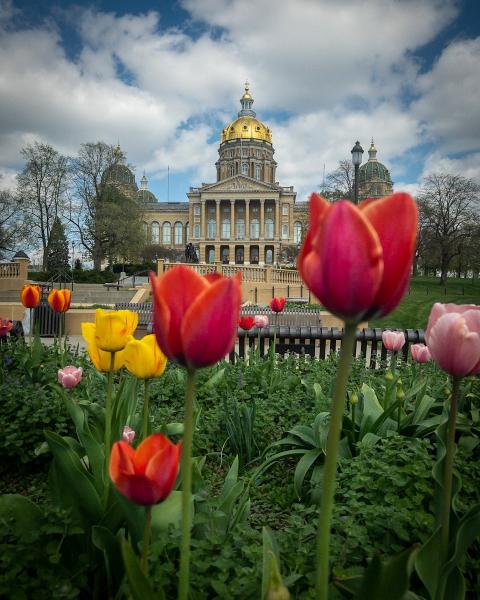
{"type": "Point", "coordinates": [420, 353]}
{"type": "Point", "coordinates": [143, 358]}
{"type": "Point", "coordinates": [195, 318]}
{"type": "Point", "coordinates": [69, 377]}
{"type": "Point", "coordinates": [261, 321]}
{"type": "Point", "coordinates": [146, 475]}
{"type": "Point", "coordinates": [277, 304]}
{"type": "Point", "coordinates": [246, 323]}
{"type": "Point", "coordinates": [30, 296]}
{"type": "Point", "coordinates": [357, 259]}
{"type": "Point", "coordinates": [453, 338]}
{"type": "Point", "coordinates": [60, 300]}
{"type": "Point", "coordinates": [393, 340]}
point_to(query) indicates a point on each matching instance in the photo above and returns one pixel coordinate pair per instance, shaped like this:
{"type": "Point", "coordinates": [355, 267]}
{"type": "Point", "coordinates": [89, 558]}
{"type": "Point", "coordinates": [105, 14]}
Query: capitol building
{"type": "Point", "coordinates": [245, 216]}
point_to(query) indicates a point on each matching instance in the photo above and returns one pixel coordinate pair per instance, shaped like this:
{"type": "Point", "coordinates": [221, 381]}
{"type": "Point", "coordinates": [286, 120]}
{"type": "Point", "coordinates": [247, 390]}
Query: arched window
{"type": "Point", "coordinates": [297, 232]}
{"type": "Point", "coordinates": [240, 229]}
{"type": "Point", "coordinates": [268, 256]}
{"type": "Point", "coordinates": [258, 172]}
{"type": "Point", "coordinates": [225, 229]}
{"type": "Point", "coordinates": [155, 233]}
{"type": "Point", "coordinates": [254, 229]}
{"type": "Point", "coordinates": [285, 232]}
{"type": "Point", "coordinates": [167, 233]}
{"type": "Point", "coordinates": [187, 232]}
{"type": "Point", "coordinates": [196, 231]}
{"type": "Point", "coordinates": [231, 170]}
{"type": "Point", "coordinates": [145, 230]}
{"type": "Point", "coordinates": [211, 226]}
{"type": "Point", "coordinates": [211, 255]}
{"type": "Point", "coordinates": [244, 168]}
{"type": "Point", "coordinates": [178, 234]}
{"type": "Point", "coordinates": [269, 229]}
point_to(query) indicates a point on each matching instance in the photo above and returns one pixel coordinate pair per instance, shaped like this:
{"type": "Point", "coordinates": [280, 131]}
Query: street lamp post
{"type": "Point", "coordinates": [357, 152]}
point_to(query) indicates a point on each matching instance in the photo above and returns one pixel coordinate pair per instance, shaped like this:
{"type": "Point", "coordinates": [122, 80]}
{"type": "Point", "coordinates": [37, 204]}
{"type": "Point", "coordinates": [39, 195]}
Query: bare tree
{"type": "Point", "coordinates": [449, 205]}
{"type": "Point", "coordinates": [41, 190]}
{"type": "Point", "coordinates": [341, 181]}
{"type": "Point", "coordinates": [12, 224]}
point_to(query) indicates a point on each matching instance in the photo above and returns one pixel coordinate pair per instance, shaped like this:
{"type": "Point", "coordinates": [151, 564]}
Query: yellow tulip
{"type": "Point", "coordinates": [113, 328]}
{"type": "Point", "coordinates": [100, 358]}
{"type": "Point", "coordinates": [143, 358]}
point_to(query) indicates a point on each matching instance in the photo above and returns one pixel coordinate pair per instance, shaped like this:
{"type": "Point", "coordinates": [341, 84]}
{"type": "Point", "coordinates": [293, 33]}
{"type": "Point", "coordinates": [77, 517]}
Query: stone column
{"type": "Point", "coordinates": [277, 219]}
{"type": "Point", "coordinates": [247, 219]}
{"type": "Point", "coordinates": [203, 227]}
{"type": "Point", "coordinates": [231, 257]}
{"type": "Point", "coordinates": [217, 219]}
{"type": "Point", "coordinates": [262, 219]}
{"type": "Point", "coordinates": [232, 218]}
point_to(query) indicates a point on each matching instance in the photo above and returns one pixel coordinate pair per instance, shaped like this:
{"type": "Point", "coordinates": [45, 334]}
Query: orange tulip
{"type": "Point", "coordinates": [357, 259]}
{"type": "Point", "coordinates": [30, 296]}
{"type": "Point", "coordinates": [195, 320]}
{"type": "Point", "coordinates": [146, 475]}
{"type": "Point", "coordinates": [60, 300]}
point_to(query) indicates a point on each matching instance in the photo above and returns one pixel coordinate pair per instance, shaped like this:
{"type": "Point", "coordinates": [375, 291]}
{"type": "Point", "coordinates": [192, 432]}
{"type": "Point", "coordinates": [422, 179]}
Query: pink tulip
{"type": "Point", "coordinates": [453, 338]}
{"type": "Point", "coordinates": [261, 321]}
{"type": "Point", "coordinates": [420, 353]}
{"type": "Point", "coordinates": [70, 376]}
{"type": "Point", "coordinates": [393, 340]}
{"type": "Point", "coordinates": [128, 434]}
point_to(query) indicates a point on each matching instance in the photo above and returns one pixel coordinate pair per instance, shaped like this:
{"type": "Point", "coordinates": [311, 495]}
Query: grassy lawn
{"type": "Point", "coordinates": [424, 292]}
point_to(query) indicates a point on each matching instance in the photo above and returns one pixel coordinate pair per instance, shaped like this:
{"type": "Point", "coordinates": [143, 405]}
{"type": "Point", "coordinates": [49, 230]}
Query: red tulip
{"type": "Point", "coordinates": [420, 353]}
{"type": "Point", "coordinates": [453, 338]}
{"type": "Point", "coordinates": [195, 320]}
{"type": "Point", "coordinates": [393, 340]}
{"type": "Point", "coordinates": [277, 304]}
{"type": "Point", "coordinates": [5, 327]}
{"type": "Point", "coordinates": [246, 323]}
{"type": "Point", "coordinates": [30, 296]}
{"type": "Point", "coordinates": [146, 475]}
{"type": "Point", "coordinates": [60, 300]}
{"type": "Point", "coordinates": [357, 260]}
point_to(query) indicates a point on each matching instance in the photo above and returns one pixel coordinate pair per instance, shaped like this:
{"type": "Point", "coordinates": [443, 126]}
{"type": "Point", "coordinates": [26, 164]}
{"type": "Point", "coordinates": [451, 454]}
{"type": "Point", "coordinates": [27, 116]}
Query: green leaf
{"type": "Point", "coordinates": [169, 512]}
{"type": "Point", "coordinates": [372, 409]}
{"type": "Point", "coordinates": [388, 580]}
{"type": "Point", "coordinates": [109, 544]}
{"type": "Point", "coordinates": [428, 563]}
{"type": "Point", "coordinates": [140, 586]}
{"type": "Point", "coordinates": [270, 551]}
{"type": "Point", "coordinates": [215, 379]}
{"type": "Point", "coordinates": [302, 468]}
{"type": "Point", "coordinates": [19, 513]}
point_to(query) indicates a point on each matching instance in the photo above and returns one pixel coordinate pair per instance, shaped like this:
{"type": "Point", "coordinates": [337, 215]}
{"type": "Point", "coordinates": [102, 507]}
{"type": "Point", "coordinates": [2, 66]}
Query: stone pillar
{"type": "Point", "coordinates": [217, 219]}
{"type": "Point", "coordinates": [262, 219]}
{"type": "Point", "coordinates": [160, 266]}
{"type": "Point", "coordinates": [23, 268]}
{"type": "Point", "coordinates": [203, 226]}
{"type": "Point", "coordinates": [231, 251]}
{"type": "Point", "coordinates": [232, 219]}
{"type": "Point", "coordinates": [277, 219]}
{"type": "Point", "coordinates": [247, 219]}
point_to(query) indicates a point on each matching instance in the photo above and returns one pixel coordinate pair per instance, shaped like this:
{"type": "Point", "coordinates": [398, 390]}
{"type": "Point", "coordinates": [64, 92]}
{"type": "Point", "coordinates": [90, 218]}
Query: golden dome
{"type": "Point", "coordinates": [246, 128]}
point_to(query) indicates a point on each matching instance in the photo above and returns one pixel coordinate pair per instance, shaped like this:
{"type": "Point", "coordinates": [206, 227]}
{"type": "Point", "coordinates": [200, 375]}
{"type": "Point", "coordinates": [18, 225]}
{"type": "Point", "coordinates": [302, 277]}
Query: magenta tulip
{"type": "Point", "coordinates": [69, 377]}
{"type": "Point", "coordinates": [453, 338]}
{"type": "Point", "coordinates": [420, 353]}
{"type": "Point", "coordinates": [393, 340]}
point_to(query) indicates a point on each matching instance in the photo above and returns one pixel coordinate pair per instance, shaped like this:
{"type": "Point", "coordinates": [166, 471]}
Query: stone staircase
{"type": "Point", "coordinates": [86, 293]}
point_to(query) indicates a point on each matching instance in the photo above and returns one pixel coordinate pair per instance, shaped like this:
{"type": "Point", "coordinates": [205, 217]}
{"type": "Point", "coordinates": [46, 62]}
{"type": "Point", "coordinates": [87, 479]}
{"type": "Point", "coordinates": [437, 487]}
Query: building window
{"type": "Point", "coordinates": [155, 233]}
{"type": "Point", "coordinates": [225, 230]}
{"type": "Point", "coordinates": [269, 229]}
{"type": "Point", "coordinates": [244, 168]}
{"type": "Point", "coordinates": [231, 170]}
{"type": "Point", "coordinates": [258, 172]}
{"type": "Point", "coordinates": [284, 232]}
{"type": "Point", "coordinates": [240, 225]}
{"type": "Point", "coordinates": [297, 232]}
{"type": "Point", "coordinates": [258, 153]}
{"type": "Point", "coordinates": [244, 151]}
{"type": "Point", "coordinates": [178, 234]}
{"type": "Point", "coordinates": [268, 256]}
{"type": "Point", "coordinates": [196, 210]}
{"type": "Point", "coordinates": [211, 226]}
{"type": "Point", "coordinates": [254, 229]}
{"type": "Point", "coordinates": [167, 233]}
{"type": "Point", "coordinates": [187, 233]}
{"type": "Point", "coordinates": [285, 210]}
{"type": "Point", "coordinates": [196, 231]}
{"type": "Point", "coordinates": [210, 254]}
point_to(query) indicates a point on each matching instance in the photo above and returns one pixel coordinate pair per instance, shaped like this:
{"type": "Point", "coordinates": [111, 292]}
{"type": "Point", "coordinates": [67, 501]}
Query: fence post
{"type": "Point", "coordinates": [160, 266]}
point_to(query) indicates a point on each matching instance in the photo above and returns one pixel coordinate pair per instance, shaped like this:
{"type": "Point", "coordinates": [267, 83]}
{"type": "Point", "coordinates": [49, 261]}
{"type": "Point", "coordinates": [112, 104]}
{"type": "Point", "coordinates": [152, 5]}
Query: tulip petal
{"type": "Point", "coordinates": [173, 294]}
{"type": "Point", "coordinates": [147, 449]}
{"type": "Point", "coordinates": [121, 460]}
{"type": "Point", "coordinates": [162, 470]}
{"type": "Point", "coordinates": [209, 328]}
{"type": "Point", "coordinates": [395, 219]}
{"type": "Point", "coordinates": [453, 347]}
{"type": "Point", "coordinates": [317, 209]}
{"type": "Point", "coordinates": [345, 267]}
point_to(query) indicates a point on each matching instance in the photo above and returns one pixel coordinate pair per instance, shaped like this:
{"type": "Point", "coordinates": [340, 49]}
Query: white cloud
{"type": "Point", "coordinates": [449, 102]}
{"type": "Point", "coordinates": [467, 166]}
{"type": "Point", "coordinates": [8, 179]}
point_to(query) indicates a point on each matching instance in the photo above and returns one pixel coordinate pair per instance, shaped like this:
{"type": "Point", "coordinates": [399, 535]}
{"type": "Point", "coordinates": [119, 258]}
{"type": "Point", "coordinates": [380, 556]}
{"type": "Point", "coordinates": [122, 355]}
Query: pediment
{"type": "Point", "coordinates": [239, 183]}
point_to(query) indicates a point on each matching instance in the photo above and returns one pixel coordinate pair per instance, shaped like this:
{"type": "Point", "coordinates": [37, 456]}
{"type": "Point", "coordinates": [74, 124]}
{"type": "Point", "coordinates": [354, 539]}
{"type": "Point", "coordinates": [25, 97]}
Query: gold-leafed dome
{"type": "Point", "coordinates": [246, 128]}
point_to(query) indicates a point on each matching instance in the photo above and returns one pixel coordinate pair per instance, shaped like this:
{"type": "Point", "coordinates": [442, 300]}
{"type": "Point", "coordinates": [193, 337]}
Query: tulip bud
{"type": "Point", "coordinates": [400, 393]}
{"type": "Point", "coordinates": [388, 376]}
{"type": "Point", "coordinates": [279, 593]}
{"type": "Point", "coordinates": [128, 434]}
{"type": "Point", "coordinates": [354, 398]}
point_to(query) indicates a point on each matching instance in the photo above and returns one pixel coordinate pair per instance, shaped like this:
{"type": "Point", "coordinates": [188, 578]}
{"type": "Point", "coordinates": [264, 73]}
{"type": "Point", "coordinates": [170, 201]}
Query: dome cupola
{"type": "Point", "coordinates": [246, 126]}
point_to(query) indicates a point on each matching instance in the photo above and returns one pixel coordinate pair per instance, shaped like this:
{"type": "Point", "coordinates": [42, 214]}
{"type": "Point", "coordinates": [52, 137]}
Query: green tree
{"type": "Point", "coordinates": [57, 249]}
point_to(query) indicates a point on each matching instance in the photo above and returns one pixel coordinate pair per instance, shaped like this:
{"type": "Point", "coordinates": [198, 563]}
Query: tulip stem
{"type": "Point", "coordinates": [108, 419]}
{"type": "Point", "coordinates": [330, 470]}
{"type": "Point", "coordinates": [448, 468]}
{"type": "Point", "coordinates": [146, 397]}
{"type": "Point", "coordinates": [146, 538]}
{"type": "Point", "coordinates": [184, 574]}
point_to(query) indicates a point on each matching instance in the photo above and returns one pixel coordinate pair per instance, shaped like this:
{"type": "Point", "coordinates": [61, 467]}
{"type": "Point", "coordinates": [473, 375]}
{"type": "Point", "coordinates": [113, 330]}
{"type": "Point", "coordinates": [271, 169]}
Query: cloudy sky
{"type": "Point", "coordinates": [164, 78]}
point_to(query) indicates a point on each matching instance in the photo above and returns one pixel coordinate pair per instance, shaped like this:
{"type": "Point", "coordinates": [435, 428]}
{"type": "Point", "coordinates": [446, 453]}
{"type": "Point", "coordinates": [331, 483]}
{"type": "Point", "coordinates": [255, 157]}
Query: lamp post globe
{"type": "Point", "coordinates": [357, 152]}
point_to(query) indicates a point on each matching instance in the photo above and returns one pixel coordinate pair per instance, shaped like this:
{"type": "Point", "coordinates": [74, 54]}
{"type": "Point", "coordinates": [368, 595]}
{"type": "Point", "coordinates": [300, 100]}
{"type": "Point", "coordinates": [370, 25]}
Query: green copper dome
{"type": "Point", "coordinates": [373, 170]}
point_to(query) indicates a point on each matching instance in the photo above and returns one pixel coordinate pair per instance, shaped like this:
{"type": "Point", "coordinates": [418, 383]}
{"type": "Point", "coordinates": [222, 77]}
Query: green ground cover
{"type": "Point", "coordinates": [384, 501]}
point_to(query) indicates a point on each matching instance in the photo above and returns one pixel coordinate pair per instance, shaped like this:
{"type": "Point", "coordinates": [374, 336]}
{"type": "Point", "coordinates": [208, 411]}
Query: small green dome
{"type": "Point", "coordinates": [119, 173]}
{"type": "Point", "coordinates": [146, 196]}
{"type": "Point", "coordinates": [373, 170]}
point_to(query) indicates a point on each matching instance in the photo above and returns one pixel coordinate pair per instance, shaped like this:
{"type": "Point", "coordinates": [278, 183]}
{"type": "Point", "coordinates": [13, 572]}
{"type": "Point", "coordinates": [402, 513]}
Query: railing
{"type": "Point", "coordinates": [289, 317]}
{"type": "Point", "coordinates": [287, 276]}
{"type": "Point", "coordinates": [9, 270]}
{"type": "Point", "coordinates": [249, 273]}
{"type": "Point", "coordinates": [145, 317]}
{"type": "Point", "coordinates": [319, 342]}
